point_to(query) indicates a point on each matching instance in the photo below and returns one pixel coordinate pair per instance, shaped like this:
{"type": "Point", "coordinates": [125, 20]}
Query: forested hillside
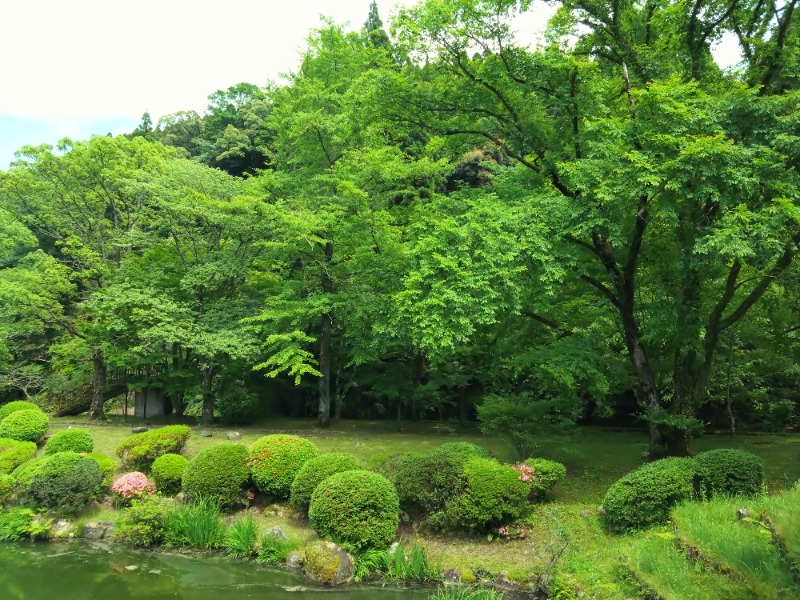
{"type": "Point", "coordinates": [434, 220]}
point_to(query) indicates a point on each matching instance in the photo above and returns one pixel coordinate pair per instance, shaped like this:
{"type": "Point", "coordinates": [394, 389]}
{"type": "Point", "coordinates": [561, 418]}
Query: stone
{"type": "Point", "coordinates": [404, 518]}
{"type": "Point", "coordinates": [601, 512]}
{"type": "Point", "coordinates": [452, 576]}
{"type": "Point", "coordinates": [180, 498]}
{"type": "Point", "coordinates": [206, 433]}
{"type": "Point", "coordinates": [294, 560]}
{"type": "Point", "coordinates": [277, 533]}
{"type": "Point", "coordinates": [328, 564]}
{"type": "Point", "coordinates": [132, 568]}
{"type": "Point", "coordinates": [585, 513]}
{"type": "Point", "coordinates": [743, 513]}
{"type": "Point", "coordinates": [99, 530]}
{"type": "Point", "coordinates": [61, 528]}
{"type": "Point", "coordinates": [139, 429]}
{"type": "Point", "coordinates": [233, 436]}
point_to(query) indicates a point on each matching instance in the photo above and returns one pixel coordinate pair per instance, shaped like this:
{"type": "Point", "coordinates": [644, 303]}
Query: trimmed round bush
{"type": "Point", "coordinates": [218, 473]}
{"type": "Point", "coordinates": [275, 461]}
{"type": "Point", "coordinates": [7, 484]}
{"type": "Point", "coordinates": [644, 497]}
{"type": "Point", "coordinates": [72, 440]}
{"type": "Point", "coordinates": [317, 470]}
{"type": "Point", "coordinates": [492, 494]}
{"type": "Point", "coordinates": [140, 450]}
{"type": "Point", "coordinates": [357, 508]}
{"type": "Point", "coordinates": [13, 453]}
{"type": "Point", "coordinates": [64, 483]}
{"type": "Point", "coordinates": [25, 472]}
{"type": "Point", "coordinates": [167, 472]}
{"type": "Point", "coordinates": [16, 405]}
{"type": "Point", "coordinates": [546, 473]}
{"type": "Point", "coordinates": [107, 468]}
{"type": "Point", "coordinates": [429, 480]}
{"type": "Point", "coordinates": [25, 425]}
{"type": "Point", "coordinates": [729, 472]}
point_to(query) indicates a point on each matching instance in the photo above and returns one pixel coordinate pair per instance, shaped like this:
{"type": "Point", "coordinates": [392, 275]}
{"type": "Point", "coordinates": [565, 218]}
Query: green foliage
{"type": "Point", "coordinates": [431, 479]}
{"type": "Point", "coordinates": [63, 483]}
{"type": "Point", "coordinates": [315, 471]}
{"type": "Point", "coordinates": [13, 453]}
{"type": "Point", "coordinates": [410, 564]}
{"type": "Point", "coordinates": [167, 472]}
{"type": "Point", "coordinates": [7, 483]}
{"type": "Point", "coordinates": [25, 425]}
{"type": "Point", "coordinates": [356, 508]}
{"type": "Point", "coordinates": [645, 497]}
{"type": "Point", "coordinates": [198, 524]}
{"type": "Point", "coordinates": [144, 522]}
{"type": "Point", "coordinates": [218, 473]}
{"type": "Point", "coordinates": [731, 472]}
{"type": "Point", "coordinates": [465, 592]}
{"type": "Point", "coordinates": [108, 467]}
{"type": "Point", "coordinates": [492, 494]}
{"type": "Point", "coordinates": [21, 523]}
{"type": "Point", "coordinates": [25, 473]}
{"type": "Point", "coordinates": [275, 461]}
{"type": "Point", "coordinates": [140, 450]}
{"type": "Point", "coordinates": [274, 550]}
{"type": "Point", "coordinates": [237, 406]}
{"type": "Point", "coordinates": [15, 405]}
{"type": "Point", "coordinates": [546, 474]}
{"type": "Point", "coordinates": [73, 440]}
{"type": "Point", "coordinates": [241, 537]}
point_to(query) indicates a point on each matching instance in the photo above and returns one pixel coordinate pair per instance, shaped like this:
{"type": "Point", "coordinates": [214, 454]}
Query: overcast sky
{"type": "Point", "coordinates": [79, 67]}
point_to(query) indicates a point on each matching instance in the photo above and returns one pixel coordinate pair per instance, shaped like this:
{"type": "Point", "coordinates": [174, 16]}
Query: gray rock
{"type": "Point", "coordinates": [139, 429]}
{"type": "Point", "coordinates": [99, 530]}
{"type": "Point", "coordinates": [743, 513]}
{"type": "Point", "coordinates": [277, 533]}
{"type": "Point", "coordinates": [404, 518]}
{"type": "Point", "coordinates": [452, 576]}
{"type": "Point", "coordinates": [328, 564]}
{"type": "Point", "coordinates": [132, 568]}
{"type": "Point", "coordinates": [206, 433]}
{"type": "Point", "coordinates": [61, 528]}
{"type": "Point", "coordinates": [180, 498]}
{"type": "Point", "coordinates": [601, 512]}
{"type": "Point", "coordinates": [233, 436]}
{"type": "Point", "coordinates": [294, 560]}
{"type": "Point", "coordinates": [585, 513]}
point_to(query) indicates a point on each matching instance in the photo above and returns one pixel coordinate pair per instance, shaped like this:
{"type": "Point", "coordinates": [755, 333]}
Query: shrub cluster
{"type": "Point", "coordinates": [13, 453]}
{"type": "Point", "coordinates": [64, 482]}
{"type": "Point", "coordinates": [144, 522]}
{"type": "Point", "coordinates": [729, 472]}
{"type": "Point", "coordinates": [275, 461]}
{"type": "Point", "coordinates": [25, 425]}
{"type": "Point", "coordinates": [237, 406]}
{"type": "Point", "coordinates": [317, 470]}
{"type": "Point", "coordinates": [107, 468]}
{"type": "Point", "coordinates": [167, 472]}
{"type": "Point", "coordinates": [492, 494]}
{"type": "Point", "coordinates": [546, 474]}
{"type": "Point", "coordinates": [16, 405]}
{"type": "Point", "coordinates": [218, 473]}
{"type": "Point", "coordinates": [359, 509]}
{"type": "Point", "coordinates": [140, 450]}
{"type": "Point", "coordinates": [645, 496]}
{"type": "Point", "coordinates": [69, 440]}
{"type": "Point", "coordinates": [7, 483]}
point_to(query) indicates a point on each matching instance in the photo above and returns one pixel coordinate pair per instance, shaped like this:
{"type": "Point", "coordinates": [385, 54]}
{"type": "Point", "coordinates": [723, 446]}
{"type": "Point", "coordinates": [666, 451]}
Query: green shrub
{"type": "Point", "coordinates": [198, 524]}
{"type": "Point", "coordinates": [21, 523]}
{"type": "Point", "coordinates": [492, 494]}
{"type": "Point", "coordinates": [219, 473]}
{"type": "Point", "coordinates": [140, 450]}
{"type": "Point", "coordinates": [315, 471]}
{"type": "Point", "coordinates": [25, 472]}
{"type": "Point", "coordinates": [431, 479]}
{"type": "Point", "coordinates": [275, 550]}
{"type": "Point", "coordinates": [108, 467]}
{"type": "Point", "coordinates": [241, 537]}
{"type": "Point", "coordinates": [7, 484]}
{"type": "Point", "coordinates": [275, 461]}
{"type": "Point", "coordinates": [25, 425]}
{"type": "Point", "coordinates": [13, 453]}
{"type": "Point", "coordinates": [144, 521]}
{"type": "Point", "coordinates": [237, 406]}
{"type": "Point", "coordinates": [64, 483]}
{"type": "Point", "coordinates": [16, 405]}
{"type": "Point", "coordinates": [167, 472]}
{"type": "Point", "coordinates": [729, 472]}
{"type": "Point", "coordinates": [359, 509]}
{"type": "Point", "coordinates": [546, 474]}
{"type": "Point", "coordinates": [69, 440]}
{"type": "Point", "coordinates": [645, 496]}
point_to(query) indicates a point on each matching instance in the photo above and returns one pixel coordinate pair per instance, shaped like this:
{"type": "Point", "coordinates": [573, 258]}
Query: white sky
{"type": "Point", "coordinates": [79, 67]}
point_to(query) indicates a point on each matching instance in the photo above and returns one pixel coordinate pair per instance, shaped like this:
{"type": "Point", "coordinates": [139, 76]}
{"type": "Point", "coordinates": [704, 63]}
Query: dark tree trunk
{"type": "Point", "coordinates": [207, 417]}
{"type": "Point", "coordinates": [99, 381]}
{"type": "Point", "coordinates": [463, 406]}
{"type": "Point", "coordinates": [324, 414]}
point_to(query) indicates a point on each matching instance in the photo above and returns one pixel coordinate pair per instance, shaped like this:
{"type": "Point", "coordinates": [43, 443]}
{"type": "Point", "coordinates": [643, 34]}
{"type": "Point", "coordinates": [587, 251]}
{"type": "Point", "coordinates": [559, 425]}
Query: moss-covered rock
{"type": "Point", "coordinates": [328, 564]}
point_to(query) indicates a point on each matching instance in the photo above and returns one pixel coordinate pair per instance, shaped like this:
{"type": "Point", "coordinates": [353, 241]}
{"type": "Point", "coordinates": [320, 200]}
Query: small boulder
{"type": "Point", "coordinates": [404, 518]}
{"type": "Point", "coordinates": [328, 564]}
{"type": "Point", "coordinates": [294, 560]}
{"type": "Point", "coordinates": [139, 429]}
{"type": "Point", "coordinates": [206, 433]}
{"type": "Point", "coordinates": [277, 533]}
{"type": "Point", "coordinates": [601, 512]}
{"type": "Point", "coordinates": [61, 528]}
{"type": "Point", "coordinates": [743, 514]}
{"type": "Point", "coordinates": [452, 577]}
{"type": "Point", "coordinates": [99, 530]}
{"type": "Point", "coordinates": [233, 436]}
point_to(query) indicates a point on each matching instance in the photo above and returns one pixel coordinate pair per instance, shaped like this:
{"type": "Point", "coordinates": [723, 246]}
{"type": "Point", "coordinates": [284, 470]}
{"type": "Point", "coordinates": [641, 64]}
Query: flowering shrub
{"type": "Point", "coordinates": [512, 532]}
{"type": "Point", "coordinates": [276, 459]}
{"type": "Point", "coordinates": [525, 472]}
{"type": "Point", "coordinates": [132, 485]}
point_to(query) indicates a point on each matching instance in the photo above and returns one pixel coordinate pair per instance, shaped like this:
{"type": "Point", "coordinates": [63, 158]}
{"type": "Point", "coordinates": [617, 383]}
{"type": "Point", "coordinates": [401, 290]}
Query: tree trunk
{"type": "Point", "coordinates": [324, 414]}
{"type": "Point", "coordinates": [207, 417]}
{"type": "Point", "coordinates": [99, 381]}
{"type": "Point", "coordinates": [463, 406]}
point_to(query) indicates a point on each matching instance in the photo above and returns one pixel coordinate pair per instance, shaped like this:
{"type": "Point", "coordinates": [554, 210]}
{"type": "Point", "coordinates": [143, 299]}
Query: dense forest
{"type": "Point", "coordinates": [434, 220]}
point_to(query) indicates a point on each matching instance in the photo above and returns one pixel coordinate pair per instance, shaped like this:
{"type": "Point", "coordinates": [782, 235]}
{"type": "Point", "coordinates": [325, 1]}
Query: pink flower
{"type": "Point", "coordinates": [132, 485]}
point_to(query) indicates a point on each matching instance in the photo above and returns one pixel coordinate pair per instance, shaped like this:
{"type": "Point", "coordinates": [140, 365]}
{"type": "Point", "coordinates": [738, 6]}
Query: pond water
{"type": "Point", "coordinates": [95, 571]}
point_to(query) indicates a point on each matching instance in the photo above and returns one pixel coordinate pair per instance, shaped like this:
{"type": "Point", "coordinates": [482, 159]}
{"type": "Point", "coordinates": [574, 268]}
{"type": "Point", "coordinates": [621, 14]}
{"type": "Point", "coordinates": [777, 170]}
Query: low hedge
{"type": "Point", "coordinates": [317, 470]}
{"type": "Point", "coordinates": [64, 483]}
{"type": "Point", "coordinates": [546, 473]}
{"type": "Point", "coordinates": [218, 473]}
{"type": "Point", "coordinates": [729, 472]}
{"type": "Point", "coordinates": [275, 461]}
{"type": "Point", "coordinates": [25, 425]}
{"type": "Point", "coordinates": [644, 497]}
{"type": "Point", "coordinates": [167, 472]}
{"type": "Point", "coordinates": [16, 405]}
{"type": "Point", "coordinates": [69, 440]}
{"type": "Point", "coordinates": [359, 509]}
{"type": "Point", "coordinates": [13, 453]}
{"type": "Point", "coordinates": [140, 450]}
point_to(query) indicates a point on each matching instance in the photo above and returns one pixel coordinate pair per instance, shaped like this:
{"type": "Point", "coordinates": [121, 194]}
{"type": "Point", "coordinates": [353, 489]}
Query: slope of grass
{"type": "Point", "coordinates": [781, 513]}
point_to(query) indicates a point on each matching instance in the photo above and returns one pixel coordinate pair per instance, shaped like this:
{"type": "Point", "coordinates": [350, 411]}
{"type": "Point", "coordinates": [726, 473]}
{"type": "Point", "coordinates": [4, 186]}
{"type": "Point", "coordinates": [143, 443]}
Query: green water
{"type": "Point", "coordinates": [85, 571]}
